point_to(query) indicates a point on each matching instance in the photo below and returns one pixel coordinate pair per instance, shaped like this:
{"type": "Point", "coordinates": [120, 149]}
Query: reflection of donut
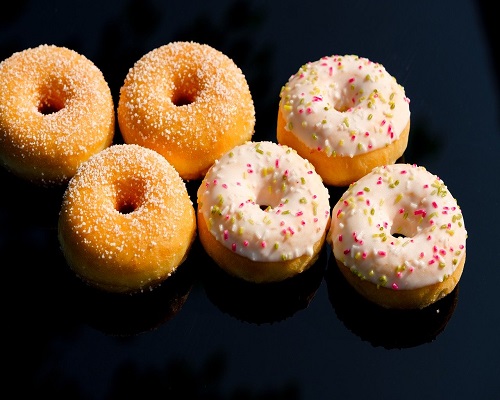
{"type": "Point", "coordinates": [263, 212]}
{"type": "Point", "coordinates": [56, 111]}
{"type": "Point", "coordinates": [398, 236]}
{"type": "Point", "coordinates": [189, 102]}
{"type": "Point", "coordinates": [124, 315]}
{"type": "Point", "coordinates": [346, 115]}
{"type": "Point", "coordinates": [264, 302]}
{"type": "Point", "coordinates": [389, 328]}
{"type": "Point", "coordinates": [126, 220]}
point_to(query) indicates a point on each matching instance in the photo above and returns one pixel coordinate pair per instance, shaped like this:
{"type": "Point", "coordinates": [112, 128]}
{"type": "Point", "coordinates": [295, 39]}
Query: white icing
{"type": "Point", "coordinates": [344, 105]}
{"type": "Point", "coordinates": [256, 175]}
{"type": "Point", "coordinates": [398, 199]}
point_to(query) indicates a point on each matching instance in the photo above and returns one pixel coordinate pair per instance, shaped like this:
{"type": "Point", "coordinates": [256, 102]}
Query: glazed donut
{"type": "Point", "coordinates": [398, 237]}
{"type": "Point", "coordinates": [56, 111]}
{"type": "Point", "coordinates": [263, 212]}
{"type": "Point", "coordinates": [126, 221]}
{"type": "Point", "coordinates": [346, 115]}
{"type": "Point", "coordinates": [189, 102]}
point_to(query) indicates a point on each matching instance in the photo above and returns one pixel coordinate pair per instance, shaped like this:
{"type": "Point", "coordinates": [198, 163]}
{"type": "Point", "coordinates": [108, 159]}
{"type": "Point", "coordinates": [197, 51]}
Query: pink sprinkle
{"type": "Point", "coordinates": [215, 181]}
{"type": "Point", "coordinates": [351, 80]}
{"type": "Point", "coordinates": [422, 254]}
{"type": "Point", "coordinates": [383, 122]}
{"type": "Point", "coordinates": [302, 222]}
{"type": "Point", "coordinates": [401, 210]}
{"type": "Point", "coordinates": [420, 212]}
{"type": "Point", "coordinates": [434, 204]}
{"type": "Point", "coordinates": [263, 244]}
{"type": "Point", "coordinates": [431, 262]}
{"type": "Point", "coordinates": [299, 213]}
{"type": "Point", "coordinates": [353, 138]}
{"type": "Point", "coordinates": [224, 186]}
{"type": "Point", "coordinates": [277, 163]}
{"type": "Point", "coordinates": [309, 172]}
{"type": "Point", "coordinates": [309, 110]}
{"type": "Point", "coordinates": [364, 255]}
{"type": "Point", "coordinates": [242, 204]}
{"type": "Point", "coordinates": [403, 171]}
{"type": "Point", "coordinates": [340, 238]}
{"type": "Point", "coordinates": [367, 133]}
{"type": "Point", "coordinates": [233, 246]}
{"type": "Point", "coordinates": [226, 234]}
{"type": "Point", "coordinates": [429, 237]}
{"type": "Point", "coordinates": [347, 251]}
{"type": "Point", "coordinates": [395, 286]}
{"type": "Point", "coordinates": [317, 98]}
{"type": "Point", "coordinates": [330, 71]}
{"type": "Point", "coordinates": [360, 193]}
{"type": "Point", "coordinates": [245, 243]}
{"type": "Point", "coordinates": [382, 253]}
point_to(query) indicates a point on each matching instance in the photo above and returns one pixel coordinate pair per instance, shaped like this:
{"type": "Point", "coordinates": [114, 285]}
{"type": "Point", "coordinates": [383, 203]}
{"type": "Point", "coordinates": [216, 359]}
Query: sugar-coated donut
{"type": "Point", "coordinates": [398, 236]}
{"type": "Point", "coordinates": [263, 212]}
{"type": "Point", "coordinates": [126, 221]}
{"type": "Point", "coordinates": [56, 111]}
{"type": "Point", "coordinates": [189, 102]}
{"type": "Point", "coordinates": [346, 114]}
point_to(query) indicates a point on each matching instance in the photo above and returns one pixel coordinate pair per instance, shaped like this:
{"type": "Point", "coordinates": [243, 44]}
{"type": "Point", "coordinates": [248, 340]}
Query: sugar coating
{"type": "Point", "coordinates": [56, 111]}
{"type": "Point", "coordinates": [189, 102]}
{"type": "Point", "coordinates": [126, 210]}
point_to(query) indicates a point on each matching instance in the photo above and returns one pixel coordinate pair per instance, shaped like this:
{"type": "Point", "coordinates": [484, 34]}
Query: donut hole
{"type": "Point", "coordinates": [404, 228]}
{"type": "Point", "coordinates": [52, 97]}
{"type": "Point", "coordinates": [50, 105]}
{"type": "Point", "coordinates": [399, 235]}
{"type": "Point", "coordinates": [129, 195]}
{"type": "Point", "coordinates": [345, 98]}
{"type": "Point", "coordinates": [185, 91]}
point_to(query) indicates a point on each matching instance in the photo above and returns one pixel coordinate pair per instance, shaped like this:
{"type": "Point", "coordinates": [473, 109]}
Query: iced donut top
{"type": "Point", "coordinates": [399, 227]}
{"type": "Point", "coordinates": [265, 202]}
{"type": "Point", "coordinates": [344, 105]}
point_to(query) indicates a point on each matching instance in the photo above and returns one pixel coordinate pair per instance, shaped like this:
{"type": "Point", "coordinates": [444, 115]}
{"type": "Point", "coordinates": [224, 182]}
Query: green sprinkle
{"type": "Point", "coordinates": [383, 280]}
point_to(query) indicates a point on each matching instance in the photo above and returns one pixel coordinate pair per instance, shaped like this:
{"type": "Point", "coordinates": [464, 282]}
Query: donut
{"type": "Point", "coordinates": [263, 212]}
{"type": "Point", "coordinates": [398, 236]}
{"type": "Point", "coordinates": [126, 221]}
{"type": "Point", "coordinates": [346, 114]}
{"type": "Point", "coordinates": [56, 111]}
{"type": "Point", "coordinates": [189, 102]}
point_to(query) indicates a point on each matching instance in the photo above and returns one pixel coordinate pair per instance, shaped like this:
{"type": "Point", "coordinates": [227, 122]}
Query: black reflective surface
{"type": "Point", "coordinates": [204, 335]}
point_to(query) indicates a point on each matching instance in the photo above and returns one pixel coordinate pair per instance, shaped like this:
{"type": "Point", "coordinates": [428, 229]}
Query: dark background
{"type": "Point", "coordinates": [202, 335]}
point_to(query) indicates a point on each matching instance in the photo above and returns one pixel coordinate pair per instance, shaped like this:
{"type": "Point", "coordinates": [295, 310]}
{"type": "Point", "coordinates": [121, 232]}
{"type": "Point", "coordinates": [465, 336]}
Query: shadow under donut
{"type": "Point", "coordinates": [388, 328]}
{"type": "Point", "coordinates": [261, 303]}
{"type": "Point", "coordinates": [124, 315]}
